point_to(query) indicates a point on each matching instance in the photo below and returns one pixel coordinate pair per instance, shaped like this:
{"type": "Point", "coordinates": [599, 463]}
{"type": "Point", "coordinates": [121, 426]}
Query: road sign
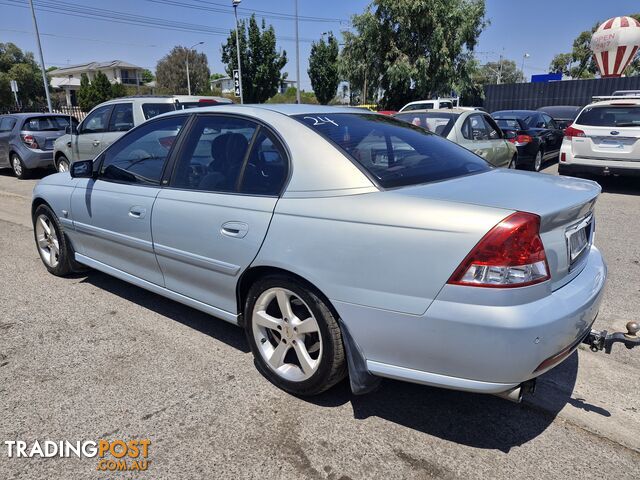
{"type": "Point", "coordinates": [14, 86]}
{"type": "Point", "coordinates": [236, 82]}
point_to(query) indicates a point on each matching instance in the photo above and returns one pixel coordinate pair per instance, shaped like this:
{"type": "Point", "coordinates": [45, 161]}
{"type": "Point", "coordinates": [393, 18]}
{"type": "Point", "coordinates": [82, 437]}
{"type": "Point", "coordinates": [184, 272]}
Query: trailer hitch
{"type": "Point", "coordinates": [604, 341]}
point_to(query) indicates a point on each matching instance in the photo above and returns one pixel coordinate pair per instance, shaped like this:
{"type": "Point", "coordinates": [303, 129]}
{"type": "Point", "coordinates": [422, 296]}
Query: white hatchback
{"type": "Point", "coordinates": [604, 139]}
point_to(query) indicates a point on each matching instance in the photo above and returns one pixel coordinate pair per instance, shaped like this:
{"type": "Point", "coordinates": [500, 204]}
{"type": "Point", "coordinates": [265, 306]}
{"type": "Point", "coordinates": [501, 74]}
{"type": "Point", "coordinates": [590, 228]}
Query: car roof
{"type": "Point", "coordinates": [440, 110]}
{"type": "Point", "coordinates": [288, 109]}
{"type": "Point", "coordinates": [621, 101]}
{"type": "Point", "coordinates": [516, 112]}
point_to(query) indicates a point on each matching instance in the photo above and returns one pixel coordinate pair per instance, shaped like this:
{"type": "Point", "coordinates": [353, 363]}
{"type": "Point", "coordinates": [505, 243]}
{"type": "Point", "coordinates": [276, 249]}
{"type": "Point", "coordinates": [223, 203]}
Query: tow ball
{"type": "Point", "coordinates": [604, 341]}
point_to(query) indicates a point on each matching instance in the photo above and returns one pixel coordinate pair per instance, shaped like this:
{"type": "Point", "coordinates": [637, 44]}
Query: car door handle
{"type": "Point", "coordinates": [96, 143]}
{"type": "Point", "coordinates": [137, 212]}
{"type": "Point", "coordinates": [235, 229]}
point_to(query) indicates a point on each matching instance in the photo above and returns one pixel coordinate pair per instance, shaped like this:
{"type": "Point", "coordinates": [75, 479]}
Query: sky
{"type": "Point", "coordinates": [541, 28]}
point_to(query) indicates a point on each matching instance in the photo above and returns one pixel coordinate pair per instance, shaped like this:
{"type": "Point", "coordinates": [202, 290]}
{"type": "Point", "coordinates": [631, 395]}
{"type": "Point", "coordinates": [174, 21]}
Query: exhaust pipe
{"type": "Point", "coordinates": [515, 394]}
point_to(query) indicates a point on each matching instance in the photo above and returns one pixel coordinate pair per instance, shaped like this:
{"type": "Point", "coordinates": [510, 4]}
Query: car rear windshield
{"type": "Point", "coordinates": [151, 110]}
{"type": "Point", "coordinates": [439, 123]}
{"type": "Point", "coordinates": [508, 123]}
{"type": "Point", "coordinates": [395, 153]}
{"type": "Point", "coordinates": [41, 124]}
{"type": "Point", "coordinates": [610, 116]}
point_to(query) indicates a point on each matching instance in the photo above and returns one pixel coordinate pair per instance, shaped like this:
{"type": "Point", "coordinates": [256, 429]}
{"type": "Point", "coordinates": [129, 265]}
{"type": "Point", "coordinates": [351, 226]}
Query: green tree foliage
{"type": "Point", "coordinates": [147, 76]}
{"type": "Point", "coordinates": [119, 90]}
{"type": "Point", "coordinates": [261, 62]}
{"type": "Point", "coordinates": [171, 72]}
{"type": "Point", "coordinates": [289, 96]}
{"type": "Point", "coordinates": [579, 63]}
{"type": "Point", "coordinates": [101, 87]}
{"type": "Point", "coordinates": [21, 67]}
{"type": "Point", "coordinates": [505, 70]}
{"type": "Point", "coordinates": [413, 48]}
{"type": "Point", "coordinates": [99, 90]}
{"type": "Point", "coordinates": [323, 69]}
{"type": "Point", "coordinates": [85, 94]}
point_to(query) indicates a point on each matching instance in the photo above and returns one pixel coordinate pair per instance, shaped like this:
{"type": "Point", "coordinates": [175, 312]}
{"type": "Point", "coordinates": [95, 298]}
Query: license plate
{"type": "Point", "coordinates": [578, 238]}
{"type": "Point", "coordinates": [611, 144]}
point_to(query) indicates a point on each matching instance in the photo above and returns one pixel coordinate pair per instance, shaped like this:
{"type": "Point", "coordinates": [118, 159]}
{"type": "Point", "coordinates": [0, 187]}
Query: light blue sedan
{"type": "Point", "coordinates": [343, 242]}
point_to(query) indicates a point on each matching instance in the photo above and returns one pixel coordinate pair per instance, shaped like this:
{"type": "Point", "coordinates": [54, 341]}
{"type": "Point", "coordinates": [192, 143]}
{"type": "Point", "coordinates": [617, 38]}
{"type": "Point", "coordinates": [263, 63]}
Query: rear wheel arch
{"type": "Point", "coordinates": [253, 274]}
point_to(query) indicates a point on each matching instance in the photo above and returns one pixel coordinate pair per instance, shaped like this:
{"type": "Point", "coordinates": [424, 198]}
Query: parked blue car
{"type": "Point", "coordinates": [26, 140]}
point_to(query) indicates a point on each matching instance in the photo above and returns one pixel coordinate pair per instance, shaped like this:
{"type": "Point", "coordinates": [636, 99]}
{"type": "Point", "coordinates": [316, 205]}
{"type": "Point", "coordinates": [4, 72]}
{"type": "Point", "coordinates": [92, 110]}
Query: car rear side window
{"type": "Point", "coordinates": [395, 153]}
{"type": "Point", "coordinates": [44, 123]}
{"type": "Point", "coordinates": [610, 116]}
{"type": "Point", "coordinates": [151, 110]}
{"type": "Point", "coordinates": [139, 157]}
{"type": "Point", "coordinates": [121, 118]}
{"type": "Point", "coordinates": [214, 153]}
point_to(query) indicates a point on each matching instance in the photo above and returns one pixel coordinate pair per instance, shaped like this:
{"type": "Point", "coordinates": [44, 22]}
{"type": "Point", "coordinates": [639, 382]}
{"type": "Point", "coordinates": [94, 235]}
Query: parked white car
{"type": "Point", "coordinates": [604, 139]}
{"type": "Point", "coordinates": [432, 104]}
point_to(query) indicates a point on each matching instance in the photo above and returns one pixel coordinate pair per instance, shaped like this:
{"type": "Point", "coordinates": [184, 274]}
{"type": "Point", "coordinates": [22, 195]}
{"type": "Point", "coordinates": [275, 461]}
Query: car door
{"type": "Point", "coordinates": [501, 152]}
{"type": "Point", "coordinates": [112, 212]}
{"type": "Point", "coordinates": [476, 137]}
{"type": "Point", "coordinates": [210, 223]}
{"type": "Point", "coordinates": [120, 122]}
{"type": "Point", "coordinates": [554, 135]}
{"type": "Point", "coordinates": [87, 144]}
{"type": "Point", "coordinates": [6, 128]}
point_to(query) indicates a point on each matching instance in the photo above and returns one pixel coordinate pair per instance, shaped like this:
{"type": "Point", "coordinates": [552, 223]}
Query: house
{"type": "Point", "coordinates": [67, 79]}
{"type": "Point", "coordinates": [226, 84]}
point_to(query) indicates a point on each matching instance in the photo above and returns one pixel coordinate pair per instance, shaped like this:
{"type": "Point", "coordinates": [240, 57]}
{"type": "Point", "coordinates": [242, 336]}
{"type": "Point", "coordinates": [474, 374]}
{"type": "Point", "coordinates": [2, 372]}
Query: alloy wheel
{"type": "Point", "coordinates": [48, 244]}
{"type": "Point", "coordinates": [287, 334]}
{"type": "Point", "coordinates": [17, 165]}
{"type": "Point", "coordinates": [537, 165]}
{"type": "Point", "coordinates": [63, 165]}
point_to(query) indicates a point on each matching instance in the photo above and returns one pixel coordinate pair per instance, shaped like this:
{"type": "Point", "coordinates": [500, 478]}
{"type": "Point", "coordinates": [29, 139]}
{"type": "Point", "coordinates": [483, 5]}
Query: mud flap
{"type": "Point", "coordinates": [359, 377]}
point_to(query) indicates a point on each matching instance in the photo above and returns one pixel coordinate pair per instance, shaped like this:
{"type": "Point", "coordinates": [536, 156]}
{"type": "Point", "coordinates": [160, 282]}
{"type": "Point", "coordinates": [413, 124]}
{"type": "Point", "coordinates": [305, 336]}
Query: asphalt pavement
{"type": "Point", "coordinates": [90, 357]}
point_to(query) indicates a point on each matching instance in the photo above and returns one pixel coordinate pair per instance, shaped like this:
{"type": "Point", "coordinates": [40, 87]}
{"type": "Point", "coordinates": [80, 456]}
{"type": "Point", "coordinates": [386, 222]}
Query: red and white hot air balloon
{"type": "Point", "coordinates": [615, 44]}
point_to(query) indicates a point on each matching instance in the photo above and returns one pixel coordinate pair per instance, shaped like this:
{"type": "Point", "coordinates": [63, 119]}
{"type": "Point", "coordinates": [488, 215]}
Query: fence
{"type": "Point", "coordinates": [529, 96]}
{"type": "Point", "coordinates": [63, 109]}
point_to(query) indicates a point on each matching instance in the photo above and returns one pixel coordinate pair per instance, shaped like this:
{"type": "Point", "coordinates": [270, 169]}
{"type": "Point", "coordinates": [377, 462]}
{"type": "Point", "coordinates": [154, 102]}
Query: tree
{"type": "Point", "coordinates": [413, 48]}
{"type": "Point", "coordinates": [171, 72]}
{"type": "Point", "coordinates": [85, 94]}
{"type": "Point", "coordinates": [561, 63]}
{"type": "Point", "coordinates": [118, 90]}
{"type": "Point", "coordinates": [323, 69]}
{"type": "Point", "coordinates": [505, 70]}
{"type": "Point", "coordinates": [147, 76]}
{"type": "Point", "coordinates": [261, 63]}
{"type": "Point", "coordinates": [21, 67]}
{"type": "Point", "coordinates": [101, 88]}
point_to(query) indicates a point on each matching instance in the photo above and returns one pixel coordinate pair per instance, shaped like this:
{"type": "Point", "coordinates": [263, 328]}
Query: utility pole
{"type": "Point", "coordinates": [297, 55]}
{"type": "Point", "coordinates": [235, 11]}
{"type": "Point", "coordinates": [499, 70]}
{"type": "Point", "coordinates": [525, 56]}
{"type": "Point", "coordinates": [44, 73]}
{"type": "Point", "coordinates": [189, 53]}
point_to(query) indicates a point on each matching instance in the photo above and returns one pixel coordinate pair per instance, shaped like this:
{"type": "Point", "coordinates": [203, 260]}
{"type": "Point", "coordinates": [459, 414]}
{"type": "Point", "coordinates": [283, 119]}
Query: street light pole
{"type": "Point", "coordinates": [188, 53]}
{"type": "Point", "coordinates": [44, 73]}
{"type": "Point", "coordinates": [235, 11]}
{"type": "Point", "coordinates": [297, 55]}
{"type": "Point", "coordinates": [525, 56]}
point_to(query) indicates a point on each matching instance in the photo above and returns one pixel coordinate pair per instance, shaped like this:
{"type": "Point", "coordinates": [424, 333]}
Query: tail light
{"type": "Point", "coordinates": [29, 141]}
{"type": "Point", "coordinates": [510, 255]}
{"type": "Point", "coordinates": [563, 157]}
{"type": "Point", "coordinates": [521, 139]}
{"type": "Point", "coordinates": [571, 132]}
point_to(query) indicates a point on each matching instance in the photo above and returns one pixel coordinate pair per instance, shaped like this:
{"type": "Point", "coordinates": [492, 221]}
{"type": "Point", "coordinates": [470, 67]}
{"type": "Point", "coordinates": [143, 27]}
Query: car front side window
{"type": "Point", "coordinates": [140, 157]}
{"type": "Point", "coordinates": [96, 122]}
{"type": "Point", "coordinates": [214, 154]}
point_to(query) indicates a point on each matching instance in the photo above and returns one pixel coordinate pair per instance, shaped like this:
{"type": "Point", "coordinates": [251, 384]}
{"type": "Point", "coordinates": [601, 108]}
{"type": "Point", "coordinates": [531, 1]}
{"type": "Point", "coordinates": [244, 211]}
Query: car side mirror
{"type": "Point", "coordinates": [82, 169]}
{"type": "Point", "coordinates": [510, 135]}
{"type": "Point", "coordinates": [71, 130]}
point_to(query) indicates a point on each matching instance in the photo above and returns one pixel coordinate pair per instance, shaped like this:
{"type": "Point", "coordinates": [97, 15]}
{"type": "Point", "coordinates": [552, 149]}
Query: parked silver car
{"type": "Point", "coordinates": [104, 124]}
{"type": "Point", "coordinates": [26, 140]}
{"type": "Point", "coordinates": [341, 241]}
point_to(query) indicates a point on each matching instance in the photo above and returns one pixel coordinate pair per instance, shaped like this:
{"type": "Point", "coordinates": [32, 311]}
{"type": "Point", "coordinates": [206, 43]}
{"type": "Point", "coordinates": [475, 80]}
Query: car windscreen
{"type": "Point", "coordinates": [439, 123]}
{"type": "Point", "coordinates": [395, 153]}
{"type": "Point", "coordinates": [151, 110]}
{"type": "Point", "coordinates": [610, 116]}
{"type": "Point", "coordinates": [47, 123]}
{"type": "Point", "coordinates": [508, 123]}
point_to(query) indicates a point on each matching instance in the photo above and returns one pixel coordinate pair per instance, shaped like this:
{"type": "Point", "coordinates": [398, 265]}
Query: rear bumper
{"type": "Point", "coordinates": [577, 169]}
{"type": "Point", "coordinates": [464, 344]}
{"type": "Point", "coordinates": [36, 158]}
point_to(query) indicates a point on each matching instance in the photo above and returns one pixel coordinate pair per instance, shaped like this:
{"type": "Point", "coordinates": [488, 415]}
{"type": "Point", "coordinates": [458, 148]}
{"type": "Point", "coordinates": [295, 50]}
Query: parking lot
{"type": "Point", "coordinates": [92, 357]}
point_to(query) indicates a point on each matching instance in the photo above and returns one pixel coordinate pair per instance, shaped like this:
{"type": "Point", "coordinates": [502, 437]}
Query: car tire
{"type": "Point", "coordinates": [19, 169]}
{"type": "Point", "coordinates": [302, 363]}
{"type": "Point", "coordinates": [54, 248]}
{"type": "Point", "coordinates": [62, 164]}
{"type": "Point", "coordinates": [513, 164]}
{"type": "Point", "coordinates": [538, 160]}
